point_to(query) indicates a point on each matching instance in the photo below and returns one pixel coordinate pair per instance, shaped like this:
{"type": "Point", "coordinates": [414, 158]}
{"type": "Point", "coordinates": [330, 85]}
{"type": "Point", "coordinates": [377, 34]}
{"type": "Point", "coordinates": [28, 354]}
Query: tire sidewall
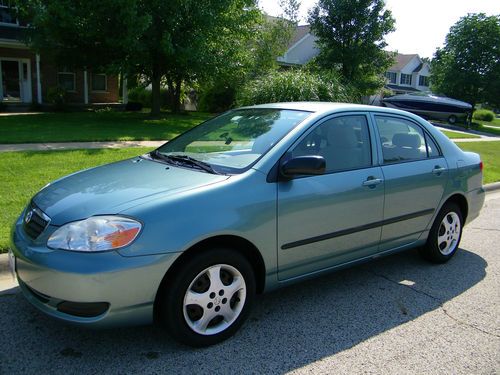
{"type": "Point", "coordinates": [432, 251]}
{"type": "Point", "coordinates": [172, 296]}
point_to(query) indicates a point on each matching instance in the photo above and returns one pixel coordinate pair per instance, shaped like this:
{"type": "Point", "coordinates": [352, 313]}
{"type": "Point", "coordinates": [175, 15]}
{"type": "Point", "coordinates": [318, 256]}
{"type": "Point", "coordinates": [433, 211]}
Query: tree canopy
{"type": "Point", "coordinates": [468, 66]}
{"type": "Point", "coordinates": [174, 41]}
{"type": "Point", "coordinates": [351, 39]}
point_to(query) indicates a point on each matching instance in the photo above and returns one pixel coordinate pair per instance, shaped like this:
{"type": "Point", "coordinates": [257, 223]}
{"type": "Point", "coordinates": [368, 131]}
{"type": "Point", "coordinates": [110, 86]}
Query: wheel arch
{"type": "Point", "coordinates": [462, 203]}
{"type": "Point", "coordinates": [239, 244]}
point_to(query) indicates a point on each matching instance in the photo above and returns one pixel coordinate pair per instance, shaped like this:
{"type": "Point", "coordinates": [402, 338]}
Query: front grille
{"type": "Point", "coordinates": [34, 221]}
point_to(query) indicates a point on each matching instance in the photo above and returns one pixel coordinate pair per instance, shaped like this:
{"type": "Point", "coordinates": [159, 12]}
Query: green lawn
{"type": "Point", "coordinates": [24, 173]}
{"type": "Point", "coordinates": [490, 155]}
{"type": "Point", "coordinates": [455, 135]}
{"type": "Point", "coordinates": [95, 126]}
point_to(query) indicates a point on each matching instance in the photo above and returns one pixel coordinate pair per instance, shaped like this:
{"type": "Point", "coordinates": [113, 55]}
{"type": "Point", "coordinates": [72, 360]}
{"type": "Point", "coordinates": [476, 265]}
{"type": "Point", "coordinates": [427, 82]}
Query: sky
{"type": "Point", "coordinates": [421, 26]}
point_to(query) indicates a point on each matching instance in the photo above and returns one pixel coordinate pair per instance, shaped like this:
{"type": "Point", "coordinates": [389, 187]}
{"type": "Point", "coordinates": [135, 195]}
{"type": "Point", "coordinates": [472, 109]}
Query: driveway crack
{"type": "Point", "coordinates": [441, 304]}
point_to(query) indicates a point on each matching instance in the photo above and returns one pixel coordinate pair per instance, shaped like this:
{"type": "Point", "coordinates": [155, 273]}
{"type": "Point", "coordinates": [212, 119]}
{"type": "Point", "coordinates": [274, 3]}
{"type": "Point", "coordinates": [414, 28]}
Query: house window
{"type": "Point", "coordinates": [66, 80]}
{"type": "Point", "coordinates": [423, 81]}
{"type": "Point", "coordinates": [391, 76]}
{"type": "Point", "coordinates": [7, 16]}
{"type": "Point", "coordinates": [99, 82]}
{"type": "Point", "coordinates": [405, 79]}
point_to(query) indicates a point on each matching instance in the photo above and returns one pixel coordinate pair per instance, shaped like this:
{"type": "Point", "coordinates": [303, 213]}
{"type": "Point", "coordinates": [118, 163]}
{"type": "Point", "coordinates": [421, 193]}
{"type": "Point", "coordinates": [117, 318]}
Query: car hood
{"type": "Point", "coordinates": [111, 188]}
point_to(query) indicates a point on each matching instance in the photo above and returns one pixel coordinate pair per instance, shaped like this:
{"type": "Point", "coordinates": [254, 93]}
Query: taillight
{"type": "Point", "coordinates": [481, 165]}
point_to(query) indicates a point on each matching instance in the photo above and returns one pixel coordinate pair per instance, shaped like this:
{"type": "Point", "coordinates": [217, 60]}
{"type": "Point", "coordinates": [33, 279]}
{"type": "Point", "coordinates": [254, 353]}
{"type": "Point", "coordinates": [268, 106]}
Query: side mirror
{"type": "Point", "coordinates": [309, 165]}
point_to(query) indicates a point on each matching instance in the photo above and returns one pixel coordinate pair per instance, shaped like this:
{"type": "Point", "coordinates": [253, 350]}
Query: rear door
{"type": "Point", "coordinates": [333, 218]}
{"type": "Point", "coordinates": [415, 175]}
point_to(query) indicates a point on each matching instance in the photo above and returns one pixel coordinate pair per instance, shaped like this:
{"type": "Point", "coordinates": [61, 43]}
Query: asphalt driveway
{"type": "Point", "coordinates": [396, 315]}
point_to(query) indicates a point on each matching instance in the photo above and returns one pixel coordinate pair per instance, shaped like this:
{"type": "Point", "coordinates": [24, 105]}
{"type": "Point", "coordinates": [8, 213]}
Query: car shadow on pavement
{"type": "Point", "coordinates": [288, 329]}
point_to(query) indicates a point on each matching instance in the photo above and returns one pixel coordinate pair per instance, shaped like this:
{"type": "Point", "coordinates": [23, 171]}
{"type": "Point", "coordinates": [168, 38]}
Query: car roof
{"type": "Point", "coordinates": [324, 107]}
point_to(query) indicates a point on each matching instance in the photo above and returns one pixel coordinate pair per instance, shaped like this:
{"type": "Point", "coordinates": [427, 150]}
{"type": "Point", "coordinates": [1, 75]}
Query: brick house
{"type": "Point", "coordinates": [26, 77]}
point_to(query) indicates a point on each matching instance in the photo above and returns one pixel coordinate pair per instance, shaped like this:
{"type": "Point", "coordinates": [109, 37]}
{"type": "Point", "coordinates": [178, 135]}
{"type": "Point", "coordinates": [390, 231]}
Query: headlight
{"type": "Point", "coordinates": [97, 233]}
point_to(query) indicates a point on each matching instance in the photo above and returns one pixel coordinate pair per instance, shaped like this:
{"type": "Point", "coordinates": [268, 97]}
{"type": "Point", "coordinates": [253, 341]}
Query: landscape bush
{"type": "Point", "coordinates": [216, 98]}
{"type": "Point", "coordinates": [483, 115]}
{"type": "Point", "coordinates": [143, 95]}
{"type": "Point", "coordinates": [58, 97]}
{"type": "Point", "coordinates": [295, 85]}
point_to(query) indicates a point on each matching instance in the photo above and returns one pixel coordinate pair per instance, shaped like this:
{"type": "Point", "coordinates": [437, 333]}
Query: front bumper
{"type": "Point", "coordinates": [110, 289]}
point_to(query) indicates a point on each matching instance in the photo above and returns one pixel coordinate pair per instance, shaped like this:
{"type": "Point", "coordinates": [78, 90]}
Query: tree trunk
{"type": "Point", "coordinates": [176, 97]}
{"type": "Point", "coordinates": [155, 91]}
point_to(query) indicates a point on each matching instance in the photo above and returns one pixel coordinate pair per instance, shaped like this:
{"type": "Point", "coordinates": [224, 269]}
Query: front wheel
{"type": "Point", "coordinates": [445, 234]}
{"type": "Point", "coordinates": [209, 298]}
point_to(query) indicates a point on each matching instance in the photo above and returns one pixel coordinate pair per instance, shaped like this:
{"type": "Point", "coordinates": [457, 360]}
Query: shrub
{"type": "Point", "coordinates": [133, 106]}
{"type": "Point", "coordinates": [217, 98]}
{"type": "Point", "coordinates": [295, 85]}
{"type": "Point", "coordinates": [58, 96]}
{"type": "Point", "coordinates": [143, 95]}
{"type": "Point", "coordinates": [484, 115]}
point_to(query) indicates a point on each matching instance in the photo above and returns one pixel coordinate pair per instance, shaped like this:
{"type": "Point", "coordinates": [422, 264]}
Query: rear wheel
{"type": "Point", "coordinates": [445, 234]}
{"type": "Point", "coordinates": [209, 298]}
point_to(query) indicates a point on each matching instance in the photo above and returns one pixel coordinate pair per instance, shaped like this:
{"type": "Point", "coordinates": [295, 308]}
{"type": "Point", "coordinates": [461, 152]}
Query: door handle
{"type": "Point", "coordinates": [372, 181]}
{"type": "Point", "coordinates": [438, 170]}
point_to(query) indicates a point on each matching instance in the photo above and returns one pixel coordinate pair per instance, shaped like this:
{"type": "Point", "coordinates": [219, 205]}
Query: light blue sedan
{"type": "Point", "coordinates": [252, 200]}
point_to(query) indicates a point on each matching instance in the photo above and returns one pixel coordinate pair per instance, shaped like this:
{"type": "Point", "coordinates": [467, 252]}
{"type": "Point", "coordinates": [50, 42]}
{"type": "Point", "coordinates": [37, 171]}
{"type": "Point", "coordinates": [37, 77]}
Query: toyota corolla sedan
{"type": "Point", "coordinates": [252, 200]}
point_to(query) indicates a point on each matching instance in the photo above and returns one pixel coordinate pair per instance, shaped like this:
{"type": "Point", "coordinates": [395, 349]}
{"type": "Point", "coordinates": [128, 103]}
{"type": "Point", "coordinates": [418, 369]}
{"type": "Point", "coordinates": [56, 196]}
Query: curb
{"type": "Point", "coordinates": [491, 187]}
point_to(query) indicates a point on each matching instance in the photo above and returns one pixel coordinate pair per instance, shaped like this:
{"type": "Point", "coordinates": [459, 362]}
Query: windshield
{"type": "Point", "coordinates": [233, 141]}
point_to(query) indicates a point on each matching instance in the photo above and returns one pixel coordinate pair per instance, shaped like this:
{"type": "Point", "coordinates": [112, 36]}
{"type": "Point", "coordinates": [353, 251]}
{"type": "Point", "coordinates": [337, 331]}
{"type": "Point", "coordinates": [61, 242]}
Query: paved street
{"type": "Point", "coordinates": [398, 315]}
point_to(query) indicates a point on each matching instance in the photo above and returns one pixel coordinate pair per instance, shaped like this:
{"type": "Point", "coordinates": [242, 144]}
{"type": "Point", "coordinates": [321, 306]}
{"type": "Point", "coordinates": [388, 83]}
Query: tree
{"type": "Point", "coordinates": [257, 57]}
{"type": "Point", "coordinates": [468, 66]}
{"type": "Point", "coordinates": [83, 34]}
{"type": "Point", "coordinates": [351, 39]}
{"type": "Point", "coordinates": [175, 41]}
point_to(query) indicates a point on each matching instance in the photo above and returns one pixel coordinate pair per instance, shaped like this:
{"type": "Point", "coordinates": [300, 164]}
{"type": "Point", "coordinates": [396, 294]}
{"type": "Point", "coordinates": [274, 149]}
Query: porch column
{"type": "Point", "coordinates": [85, 88]}
{"type": "Point", "coordinates": [125, 90]}
{"type": "Point", "coordinates": [38, 80]}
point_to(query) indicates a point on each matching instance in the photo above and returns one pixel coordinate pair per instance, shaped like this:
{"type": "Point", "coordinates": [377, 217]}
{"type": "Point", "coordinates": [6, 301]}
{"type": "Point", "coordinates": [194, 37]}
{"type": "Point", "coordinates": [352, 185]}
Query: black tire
{"type": "Point", "coordinates": [437, 251]}
{"type": "Point", "coordinates": [179, 320]}
{"type": "Point", "coordinates": [452, 119]}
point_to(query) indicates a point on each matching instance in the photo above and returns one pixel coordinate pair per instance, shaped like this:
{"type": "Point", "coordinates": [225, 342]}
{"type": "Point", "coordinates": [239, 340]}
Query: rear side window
{"type": "Point", "coordinates": [401, 140]}
{"type": "Point", "coordinates": [343, 141]}
{"type": "Point", "coordinates": [432, 149]}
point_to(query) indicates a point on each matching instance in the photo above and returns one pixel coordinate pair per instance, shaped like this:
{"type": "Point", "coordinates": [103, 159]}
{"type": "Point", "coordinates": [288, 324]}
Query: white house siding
{"type": "Point", "coordinates": [408, 69]}
{"type": "Point", "coordinates": [425, 71]}
{"type": "Point", "coordinates": [301, 52]}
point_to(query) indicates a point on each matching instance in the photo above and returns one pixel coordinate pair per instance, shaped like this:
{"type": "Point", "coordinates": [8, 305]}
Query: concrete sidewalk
{"type": "Point", "coordinates": [152, 144]}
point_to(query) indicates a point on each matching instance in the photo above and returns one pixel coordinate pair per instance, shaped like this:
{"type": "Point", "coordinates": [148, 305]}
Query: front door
{"type": "Point", "coordinates": [11, 81]}
{"type": "Point", "coordinates": [327, 220]}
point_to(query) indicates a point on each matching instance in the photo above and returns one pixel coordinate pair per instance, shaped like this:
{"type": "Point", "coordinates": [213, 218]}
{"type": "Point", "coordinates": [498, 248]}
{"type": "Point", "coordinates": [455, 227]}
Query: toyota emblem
{"type": "Point", "coordinates": [28, 216]}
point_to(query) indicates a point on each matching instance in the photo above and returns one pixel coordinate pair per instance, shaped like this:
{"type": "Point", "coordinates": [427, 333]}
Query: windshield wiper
{"type": "Point", "coordinates": [184, 159]}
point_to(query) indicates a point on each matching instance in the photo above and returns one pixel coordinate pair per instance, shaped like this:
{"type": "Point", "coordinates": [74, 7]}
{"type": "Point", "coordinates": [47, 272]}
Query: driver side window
{"type": "Point", "coordinates": [344, 142]}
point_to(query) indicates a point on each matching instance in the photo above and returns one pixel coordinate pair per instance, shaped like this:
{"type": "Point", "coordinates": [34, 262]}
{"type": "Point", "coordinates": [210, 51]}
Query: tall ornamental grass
{"type": "Point", "coordinates": [293, 86]}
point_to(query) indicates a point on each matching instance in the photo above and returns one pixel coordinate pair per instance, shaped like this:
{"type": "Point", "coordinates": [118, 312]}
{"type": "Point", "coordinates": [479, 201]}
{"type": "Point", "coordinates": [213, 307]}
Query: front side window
{"type": "Point", "coordinates": [405, 79]}
{"type": "Point", "coordinates": [232, 142]}
{"type": "Point", "coordinates": [401, 140]}
{"type": "Point", "coordinates": [66, 80]}
{"type": "Point", "coordinates": [344, 142]}
{"type": "Point", "coordinates": [99, 82]}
